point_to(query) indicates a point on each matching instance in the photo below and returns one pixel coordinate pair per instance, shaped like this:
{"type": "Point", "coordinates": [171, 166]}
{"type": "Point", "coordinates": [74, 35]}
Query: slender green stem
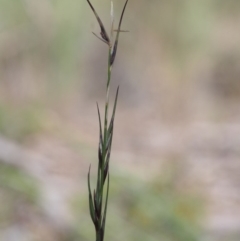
{"type": "Point", "coordinates": [101, 165]}
{"type": "Point", "coordinates": [106, 122]}
{"type": "Point", "coordinates": [96, 202]}
{"type": "Point", "coordinates": [107, 103]}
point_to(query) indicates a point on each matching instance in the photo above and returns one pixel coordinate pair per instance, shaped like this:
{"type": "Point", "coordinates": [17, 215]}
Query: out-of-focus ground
{"type": "Point", "coordinates": [175, 167]}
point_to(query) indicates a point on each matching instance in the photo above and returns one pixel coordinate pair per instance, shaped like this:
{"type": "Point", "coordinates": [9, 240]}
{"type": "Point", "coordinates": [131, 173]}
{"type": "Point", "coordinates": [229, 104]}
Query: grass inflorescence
{"type": "Point", "coordinates": [97, 204]}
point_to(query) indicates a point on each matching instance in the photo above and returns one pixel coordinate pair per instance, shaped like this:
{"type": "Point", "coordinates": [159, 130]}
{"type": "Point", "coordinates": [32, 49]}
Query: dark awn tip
{"type": "Point", "coordinates": [103, 31]}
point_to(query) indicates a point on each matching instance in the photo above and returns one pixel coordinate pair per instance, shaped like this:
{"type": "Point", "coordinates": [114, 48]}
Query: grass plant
{"type": "Point", "coordinates": [97, 204]}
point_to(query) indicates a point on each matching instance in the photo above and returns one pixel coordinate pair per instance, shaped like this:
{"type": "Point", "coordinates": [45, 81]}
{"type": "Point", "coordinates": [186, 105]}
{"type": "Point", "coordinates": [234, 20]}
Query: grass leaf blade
{"type": "Point", "coordinates": [100, 124]}
{"type": "Point", "coordinates": [105, 209]}
{"type": "Point", "coordinates": [114, 52]}
{"type": "Point", "coordinates": [91, 206]}
{"type": "Point", "coordinates": [110, 129]}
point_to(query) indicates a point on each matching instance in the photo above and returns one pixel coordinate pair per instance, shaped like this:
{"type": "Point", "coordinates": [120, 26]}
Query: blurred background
{"type": "Point", "coordinates": [175, 160]}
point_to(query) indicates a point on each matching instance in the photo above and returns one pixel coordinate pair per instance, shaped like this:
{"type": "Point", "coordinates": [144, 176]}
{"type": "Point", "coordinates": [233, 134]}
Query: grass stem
{"type": "Point", "coordinates": [98, 215]}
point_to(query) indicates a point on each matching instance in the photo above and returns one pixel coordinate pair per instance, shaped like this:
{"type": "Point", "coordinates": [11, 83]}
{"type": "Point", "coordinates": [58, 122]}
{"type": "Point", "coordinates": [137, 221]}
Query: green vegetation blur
{"type": "Point", "coordinates": [152, 210]}
{"type": "Point", "coordinates": [52, 72]}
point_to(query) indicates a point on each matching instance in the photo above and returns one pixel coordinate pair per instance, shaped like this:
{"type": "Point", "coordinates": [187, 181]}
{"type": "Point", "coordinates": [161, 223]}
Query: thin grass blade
{"type": "Point", "coordinates": [105, 209]}
{"type": "Point", "coordinates": [114, 52]}
{"type": "Point", "coordinates": [100, 124]}
{"type": "Point", "coordinates": [110, 133]}
{"type": "Point", "coordinates": [97, 208]}
{"type": "Point", "coordinates": [91, 206]}
{"type": "Point", "coordinates": [100, 154]}
{"type": "Point", "coordinates": [106, 166]}
{"type": "Point", "coordinates": [105, 171]}
{"type": "Point", "coordinates": [109, 140]}
{"type": "Point", "coordinates": [100, 158]}
{"type": "Point", "coordinates": [110, 129]}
